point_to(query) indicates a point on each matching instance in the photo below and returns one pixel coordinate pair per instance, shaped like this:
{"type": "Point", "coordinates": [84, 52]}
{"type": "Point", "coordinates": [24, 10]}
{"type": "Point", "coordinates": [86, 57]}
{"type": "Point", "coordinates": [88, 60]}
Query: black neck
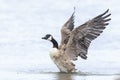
{"type": "Point", "coordinates": [55, 44]}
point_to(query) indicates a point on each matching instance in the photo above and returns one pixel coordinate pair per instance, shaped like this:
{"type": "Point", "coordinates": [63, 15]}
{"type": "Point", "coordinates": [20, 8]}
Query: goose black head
{"type": "Point", "coordinates": [48, 37]}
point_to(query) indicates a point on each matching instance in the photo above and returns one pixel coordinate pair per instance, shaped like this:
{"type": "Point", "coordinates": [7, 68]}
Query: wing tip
{"type": "Point", "coordinates": [107, 10]}
{"type": "Point", "coordinates": [74, 9]}
{"type": "Point", "coordinates": [73, 12]}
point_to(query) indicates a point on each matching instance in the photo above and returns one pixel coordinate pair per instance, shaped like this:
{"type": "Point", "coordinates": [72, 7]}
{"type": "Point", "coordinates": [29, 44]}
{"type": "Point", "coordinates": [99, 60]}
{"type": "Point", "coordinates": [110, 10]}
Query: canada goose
{"type": "Point", "coordinates": [75, 41]}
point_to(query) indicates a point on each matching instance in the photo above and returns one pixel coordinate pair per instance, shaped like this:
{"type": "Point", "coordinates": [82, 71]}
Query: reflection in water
{"type": "Point", "coordinates": [63, 76]}
{"type": "Point", "coordinates": [70, 76]}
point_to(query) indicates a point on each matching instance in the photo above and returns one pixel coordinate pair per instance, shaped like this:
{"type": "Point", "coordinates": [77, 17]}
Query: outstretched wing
{"type": "Point", "coordinates": [66, 29]}
{"type": "Point", "coordinates": [81, 37]}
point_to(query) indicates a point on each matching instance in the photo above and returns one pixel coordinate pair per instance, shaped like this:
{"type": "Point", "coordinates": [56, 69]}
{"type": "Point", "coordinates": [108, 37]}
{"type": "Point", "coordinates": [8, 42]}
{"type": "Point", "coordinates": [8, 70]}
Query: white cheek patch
{"type": "Point", "coordinates": [50, 38]}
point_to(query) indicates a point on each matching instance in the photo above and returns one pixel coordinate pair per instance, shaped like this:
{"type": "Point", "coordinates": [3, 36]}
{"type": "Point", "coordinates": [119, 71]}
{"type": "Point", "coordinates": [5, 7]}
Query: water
{"type": "Point", "coordinates": [57, 76]}
{"type": "Point", "coordinates": [25, 56]}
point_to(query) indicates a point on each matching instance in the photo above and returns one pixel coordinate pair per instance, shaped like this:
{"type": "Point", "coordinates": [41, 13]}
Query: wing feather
{"type": "Point", "coordinates": [81, 37]}
{"type": "Point", "coordinates": [66, 29]}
